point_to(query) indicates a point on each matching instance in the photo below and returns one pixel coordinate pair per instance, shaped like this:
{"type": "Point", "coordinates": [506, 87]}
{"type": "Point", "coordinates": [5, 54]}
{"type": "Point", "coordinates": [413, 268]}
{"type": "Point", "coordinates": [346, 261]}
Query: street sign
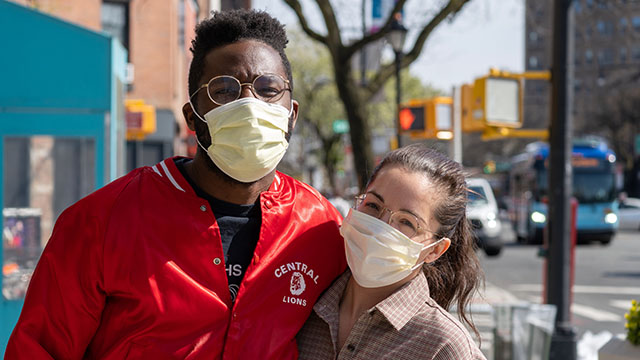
{"type": "Point", "coordinates": [340, 126]}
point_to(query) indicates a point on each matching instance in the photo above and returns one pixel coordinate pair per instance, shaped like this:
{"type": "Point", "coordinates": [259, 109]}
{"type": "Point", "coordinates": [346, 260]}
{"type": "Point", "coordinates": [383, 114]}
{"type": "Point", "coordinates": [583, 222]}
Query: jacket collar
{"type": "Point", "coordinates": [169, 172]}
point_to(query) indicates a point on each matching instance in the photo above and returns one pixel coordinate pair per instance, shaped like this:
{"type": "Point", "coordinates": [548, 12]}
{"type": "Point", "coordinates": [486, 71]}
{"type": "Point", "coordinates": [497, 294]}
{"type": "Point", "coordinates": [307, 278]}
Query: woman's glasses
{"type": "Point", "coordinates": [225, 89]}
{"type": "Point", "coordinates": [404, 221]}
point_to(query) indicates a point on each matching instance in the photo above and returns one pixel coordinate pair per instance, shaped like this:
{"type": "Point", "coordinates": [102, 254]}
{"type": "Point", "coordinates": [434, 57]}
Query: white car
{"type": "Point", "coordinates": [629, 214]}
{"type": "Point", "coordinates": [482, 211]}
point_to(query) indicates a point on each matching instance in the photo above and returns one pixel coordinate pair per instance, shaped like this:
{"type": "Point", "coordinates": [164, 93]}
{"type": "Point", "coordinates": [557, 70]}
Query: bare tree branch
{"type": "Point", "coordinates": [387, 71]}
{"type": "Point", "coordinates": [333, 31]}
{"type": "Point", "coordinates": [297, 8]}
{"type": "Point", "coordinates": [381, 33]}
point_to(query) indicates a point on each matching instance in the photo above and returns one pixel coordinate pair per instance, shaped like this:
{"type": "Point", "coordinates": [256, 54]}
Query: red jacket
{"type": "Point", "coordinates": [136, 270]}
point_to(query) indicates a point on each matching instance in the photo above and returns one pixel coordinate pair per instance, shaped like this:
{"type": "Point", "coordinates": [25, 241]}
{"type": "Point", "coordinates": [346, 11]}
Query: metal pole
{"type": "Point", "coordinates": [363, 51]}
{"type": "Point", "coordinates": [398, 97]}
{"type": "Point", "coordinates": [457, 124]}
{"type": "Point", "coordinates": [563, 341]}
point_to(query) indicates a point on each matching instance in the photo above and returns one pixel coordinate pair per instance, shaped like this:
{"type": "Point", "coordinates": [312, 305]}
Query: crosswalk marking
{"type": "Point", "coordinates": [595, 314]}
{"type": "Point", "coordinates": [584, 289]}
{"type": "Point", "coordinates": [621, 304]}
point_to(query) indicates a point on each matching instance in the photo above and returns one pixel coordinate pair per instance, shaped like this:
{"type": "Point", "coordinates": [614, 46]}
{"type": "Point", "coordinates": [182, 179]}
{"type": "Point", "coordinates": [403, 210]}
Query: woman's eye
{"type": "Point", "coordinates": [372, 205]}
{"type": "Point", "coordinates": [408, 223]}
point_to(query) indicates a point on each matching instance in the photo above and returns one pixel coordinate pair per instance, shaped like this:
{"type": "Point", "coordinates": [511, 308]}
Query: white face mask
{"type": "Point", "coordinates": [248, 137]}
{"type": "Point", "coordinates": [377, 253]}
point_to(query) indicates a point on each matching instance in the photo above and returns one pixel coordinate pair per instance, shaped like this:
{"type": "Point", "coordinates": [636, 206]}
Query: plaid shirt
{"type": "Point", "coordinates": [406, 325]}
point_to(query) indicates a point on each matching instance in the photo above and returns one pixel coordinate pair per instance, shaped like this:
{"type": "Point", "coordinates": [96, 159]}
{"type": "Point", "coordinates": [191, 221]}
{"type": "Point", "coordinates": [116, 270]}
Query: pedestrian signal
{"type": "Point", "coordinates": [411, 119]}
{"type": "Point", "coordinates": [497, 100]}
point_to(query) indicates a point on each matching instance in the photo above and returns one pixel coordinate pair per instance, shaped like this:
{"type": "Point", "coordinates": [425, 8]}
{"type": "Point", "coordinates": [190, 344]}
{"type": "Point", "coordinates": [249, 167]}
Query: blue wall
{"type": "Point", "coordinates": [58, 79]}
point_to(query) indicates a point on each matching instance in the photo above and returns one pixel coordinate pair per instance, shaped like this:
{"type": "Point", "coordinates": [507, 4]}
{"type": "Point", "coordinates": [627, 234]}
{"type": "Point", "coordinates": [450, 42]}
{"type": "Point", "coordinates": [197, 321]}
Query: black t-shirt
{"type": "Point", "coordinates": [239, 231]}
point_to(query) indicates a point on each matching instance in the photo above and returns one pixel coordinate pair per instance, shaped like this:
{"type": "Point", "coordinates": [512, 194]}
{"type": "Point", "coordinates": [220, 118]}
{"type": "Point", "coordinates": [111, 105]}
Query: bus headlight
{"type": "Point", "coordinates": [538, 217]}
{"type": "Point", "coordinates": [610, 218]}
{"type": "Point", "coordinates": [491, 216]}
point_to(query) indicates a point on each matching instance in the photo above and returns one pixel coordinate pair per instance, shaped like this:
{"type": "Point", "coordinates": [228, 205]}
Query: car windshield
{"type": "Point", "coordinates": [477, 196]}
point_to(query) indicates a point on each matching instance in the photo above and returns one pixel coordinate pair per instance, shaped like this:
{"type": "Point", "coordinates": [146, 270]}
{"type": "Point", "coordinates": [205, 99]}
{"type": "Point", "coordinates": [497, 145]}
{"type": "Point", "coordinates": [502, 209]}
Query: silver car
{"type": "Point", "coordinates": [629, 214]}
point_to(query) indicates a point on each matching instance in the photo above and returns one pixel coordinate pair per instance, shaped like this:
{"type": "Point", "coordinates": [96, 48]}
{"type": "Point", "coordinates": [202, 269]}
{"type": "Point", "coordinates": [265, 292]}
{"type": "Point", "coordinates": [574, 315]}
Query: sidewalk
{"type": "Point", "coordinates": [481, 310]}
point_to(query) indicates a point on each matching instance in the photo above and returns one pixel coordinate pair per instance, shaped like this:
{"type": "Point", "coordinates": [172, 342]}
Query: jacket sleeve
{"type": "Point", "coordinates": [65, 298]}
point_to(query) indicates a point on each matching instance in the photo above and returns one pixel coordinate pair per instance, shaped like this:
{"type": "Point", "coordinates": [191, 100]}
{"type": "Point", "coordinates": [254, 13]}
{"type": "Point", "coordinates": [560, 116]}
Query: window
{"type": "Point", "coordinates": [533, 62]}
{"type": "Point", "coordinates": [577, 85]}
{"type": "Point", "coordinates": [604, 27]}
{"type": "Point", "coordinates": [623, 24]}
{"type": "Point", "coordinates": [588, 56]}
{"type": "Point", "coordinates": [533, 36]}
{"type": "Point", "coordinates": [635, 53]}
{"type": "Point", "coordinates": [635, 21]}
{"type": "Point", "coordinates": [181, 25]}
{"type": "Point", "coordinates": [589, 4]}
{"type": "Point", "coordinates": [623, 54]}
{"type": "Point", "coordinates": [577, 6]}
{"type": "Point", "coordinates": [605, 57]}
{"type": "Point", "coordinates": [114, 16]}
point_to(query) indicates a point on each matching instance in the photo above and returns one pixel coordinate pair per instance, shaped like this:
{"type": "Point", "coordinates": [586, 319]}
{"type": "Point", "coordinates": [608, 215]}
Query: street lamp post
{"type": "Point", "coordinates": [396, 38]}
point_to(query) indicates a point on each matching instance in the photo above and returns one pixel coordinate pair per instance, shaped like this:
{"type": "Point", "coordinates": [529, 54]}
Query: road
{"type": "Point", "coordinates": [607, 278]}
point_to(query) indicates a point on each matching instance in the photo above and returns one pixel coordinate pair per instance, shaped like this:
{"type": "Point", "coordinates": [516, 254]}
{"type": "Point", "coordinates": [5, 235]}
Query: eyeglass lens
{"type": "Point", "coordinates": [405, 222]}
{"type": "Point", "coordinates": [225, 89]}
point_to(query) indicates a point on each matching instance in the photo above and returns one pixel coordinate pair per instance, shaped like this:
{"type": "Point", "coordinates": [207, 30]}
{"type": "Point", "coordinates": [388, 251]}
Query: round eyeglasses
{"type": "Point", "coordinates": [404, 221]}
{"type": "Point", "coordinates": [225, 88]}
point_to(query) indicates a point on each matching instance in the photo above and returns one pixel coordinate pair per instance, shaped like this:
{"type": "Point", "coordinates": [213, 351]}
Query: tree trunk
{"type": "Point", "coordinates": [359, 132]}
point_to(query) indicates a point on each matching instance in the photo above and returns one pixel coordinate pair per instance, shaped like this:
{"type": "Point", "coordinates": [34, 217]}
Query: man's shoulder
{"type": "Point", "coordinates": [304, 192]}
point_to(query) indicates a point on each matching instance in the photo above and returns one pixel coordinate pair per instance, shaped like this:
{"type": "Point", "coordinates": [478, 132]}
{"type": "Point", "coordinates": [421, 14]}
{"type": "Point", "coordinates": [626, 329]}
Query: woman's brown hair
{"type": "Point", "coordinates": [456, 275]}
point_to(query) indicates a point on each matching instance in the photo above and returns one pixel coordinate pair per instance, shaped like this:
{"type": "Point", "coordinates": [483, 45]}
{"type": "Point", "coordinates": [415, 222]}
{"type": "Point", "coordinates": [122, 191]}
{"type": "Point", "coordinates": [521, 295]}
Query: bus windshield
{"type": "Point", "coordinates": [593, 187]}
{"type": "Point", "coordinates": [588, 187]}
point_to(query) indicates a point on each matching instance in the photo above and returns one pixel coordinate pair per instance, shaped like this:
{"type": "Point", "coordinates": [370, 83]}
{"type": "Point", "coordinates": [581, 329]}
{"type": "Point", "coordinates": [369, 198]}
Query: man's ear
{"type": "Point", "coordinates": [294, 115]}
{"type": "Point", "coordinates": [189, 116]}
{"type": "Point", "coordinates": [437, 250]}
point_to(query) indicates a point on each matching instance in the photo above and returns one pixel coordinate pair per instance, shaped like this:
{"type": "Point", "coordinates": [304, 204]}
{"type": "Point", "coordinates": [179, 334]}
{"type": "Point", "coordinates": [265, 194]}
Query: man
{"type": "Point", "coordinates": [219, 257]}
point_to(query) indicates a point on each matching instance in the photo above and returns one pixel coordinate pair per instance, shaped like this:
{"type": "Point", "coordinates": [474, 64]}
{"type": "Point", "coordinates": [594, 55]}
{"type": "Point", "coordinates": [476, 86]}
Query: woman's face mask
{"type": "Point", "coordinates": [248, 137]}
{"type": "Point", "coordinates": [377, 253]}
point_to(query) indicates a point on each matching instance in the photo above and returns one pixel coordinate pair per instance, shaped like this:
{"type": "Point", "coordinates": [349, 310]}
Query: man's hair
{"type": "Point", "coordinates": [228, 27]}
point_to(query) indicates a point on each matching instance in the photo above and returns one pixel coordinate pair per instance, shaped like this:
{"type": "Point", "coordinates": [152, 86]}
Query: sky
{"type": "Point", "coordinates": [485, 34]}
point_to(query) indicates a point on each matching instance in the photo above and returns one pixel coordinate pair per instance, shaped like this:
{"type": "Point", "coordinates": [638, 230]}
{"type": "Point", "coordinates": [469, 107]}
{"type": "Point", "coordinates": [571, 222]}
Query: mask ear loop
{"type": "Point", "coordinates": [423, 249]}
{"type": "Point", "coordinates": [199, 117]}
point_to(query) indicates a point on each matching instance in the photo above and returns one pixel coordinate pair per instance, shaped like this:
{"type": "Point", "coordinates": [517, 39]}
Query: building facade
{"type": "Point", "coordinates": [157, 36]}
{"type": "Point", "coordinates": [605, 46]}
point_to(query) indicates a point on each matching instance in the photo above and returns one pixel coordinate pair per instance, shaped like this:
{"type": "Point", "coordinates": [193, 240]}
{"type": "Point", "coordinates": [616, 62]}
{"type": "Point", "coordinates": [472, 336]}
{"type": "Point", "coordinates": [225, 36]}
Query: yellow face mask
{"type": "Point", "coordinates": [377, 253]}
{"type": "Point", "coordinates": [248, 137]}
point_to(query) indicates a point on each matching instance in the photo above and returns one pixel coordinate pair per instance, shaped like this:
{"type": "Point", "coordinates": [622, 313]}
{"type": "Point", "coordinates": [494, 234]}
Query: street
{"type": "Point", "coordinates": [606, 279]}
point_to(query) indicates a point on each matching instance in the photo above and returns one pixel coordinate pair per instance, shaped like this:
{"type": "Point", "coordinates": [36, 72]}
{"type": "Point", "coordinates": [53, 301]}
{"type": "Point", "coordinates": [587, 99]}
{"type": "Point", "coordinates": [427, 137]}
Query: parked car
{"type": "Point", "coordinates": [629, 214]}
{"type": "Point", "coordinates": [482, 211]}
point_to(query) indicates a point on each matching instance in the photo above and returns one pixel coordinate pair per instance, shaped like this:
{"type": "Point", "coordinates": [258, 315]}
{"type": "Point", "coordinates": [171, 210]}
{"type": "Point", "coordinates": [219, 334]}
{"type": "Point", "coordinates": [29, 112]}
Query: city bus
{"type": "Point", "coordinates": [594, 187]}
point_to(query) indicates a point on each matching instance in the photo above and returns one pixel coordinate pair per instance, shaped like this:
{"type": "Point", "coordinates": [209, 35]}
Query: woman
{"type": "Point", "coordinates": [411, 254]}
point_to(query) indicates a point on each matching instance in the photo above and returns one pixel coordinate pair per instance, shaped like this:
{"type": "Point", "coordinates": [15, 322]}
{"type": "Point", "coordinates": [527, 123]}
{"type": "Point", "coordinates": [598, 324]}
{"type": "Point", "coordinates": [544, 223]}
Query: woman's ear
{"type": "Point", "coordinates": [433, 253]}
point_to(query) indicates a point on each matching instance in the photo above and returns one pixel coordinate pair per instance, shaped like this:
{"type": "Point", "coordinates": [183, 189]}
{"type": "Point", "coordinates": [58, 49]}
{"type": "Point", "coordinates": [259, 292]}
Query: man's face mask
{"type": "Point", "coordinates": [248, 137]}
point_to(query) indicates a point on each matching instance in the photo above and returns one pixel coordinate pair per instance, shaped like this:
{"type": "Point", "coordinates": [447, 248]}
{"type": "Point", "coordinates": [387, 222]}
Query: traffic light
{"type": "Point", "coordinates": [497, 100]}
{"type": "Point", "coordinates": [469, 122]}
{"type": "Point", "coordinates": [140, 119]}
{"type": "Point", "coordinates": [427, 118]}
{"type": "Point", "coordinates": [411, 119]}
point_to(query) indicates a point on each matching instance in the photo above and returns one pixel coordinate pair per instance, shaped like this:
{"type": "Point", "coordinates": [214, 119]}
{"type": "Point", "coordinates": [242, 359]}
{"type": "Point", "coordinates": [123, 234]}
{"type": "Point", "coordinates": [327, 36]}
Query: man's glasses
{"type": "Point", "coordinates": [404, 221]}
{"type": "Point", "coordinates": [225, 89]}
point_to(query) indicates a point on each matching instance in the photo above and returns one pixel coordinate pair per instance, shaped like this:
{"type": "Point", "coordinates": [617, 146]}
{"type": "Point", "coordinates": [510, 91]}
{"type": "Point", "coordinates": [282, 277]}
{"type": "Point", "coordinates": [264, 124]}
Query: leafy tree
{"type": "Point", "coordinates": [321, 106]}
{"type": "Point", "coordinates": [353, 96]}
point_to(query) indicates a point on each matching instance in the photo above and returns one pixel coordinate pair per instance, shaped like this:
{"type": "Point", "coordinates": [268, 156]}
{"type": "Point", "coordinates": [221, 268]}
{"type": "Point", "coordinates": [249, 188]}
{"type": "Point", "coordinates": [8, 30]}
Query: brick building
{"type": "Point", "coordinates": [157, 36]}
